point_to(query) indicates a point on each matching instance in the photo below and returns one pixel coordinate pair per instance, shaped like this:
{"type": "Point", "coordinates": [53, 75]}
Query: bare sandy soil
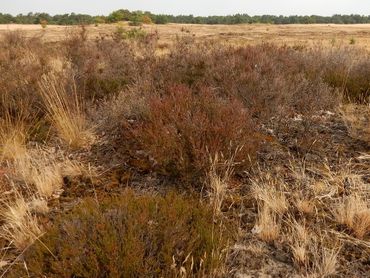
{"type": "Point", "coordinates": [295, 34]}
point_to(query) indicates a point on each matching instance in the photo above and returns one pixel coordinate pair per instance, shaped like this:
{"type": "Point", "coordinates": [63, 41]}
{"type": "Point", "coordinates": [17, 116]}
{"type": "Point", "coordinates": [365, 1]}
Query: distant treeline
{"type": "Point", "coordinates": [139, 17]}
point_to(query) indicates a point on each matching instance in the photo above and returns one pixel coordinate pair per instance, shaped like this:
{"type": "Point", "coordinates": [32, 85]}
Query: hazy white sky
{"type": "Point", "coordinates": [195, 7]}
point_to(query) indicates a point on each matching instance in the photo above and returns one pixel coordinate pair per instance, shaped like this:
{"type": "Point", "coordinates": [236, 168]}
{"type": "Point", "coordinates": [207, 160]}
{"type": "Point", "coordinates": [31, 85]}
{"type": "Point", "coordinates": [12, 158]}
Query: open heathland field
{"type": "Point", "coordinates": [292, 34]}
{"type": "Point", "coordinates": [185, 151]}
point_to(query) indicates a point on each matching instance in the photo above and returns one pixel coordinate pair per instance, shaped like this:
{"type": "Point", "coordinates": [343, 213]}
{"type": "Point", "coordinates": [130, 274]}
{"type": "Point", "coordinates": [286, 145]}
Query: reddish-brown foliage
{"type": "Point", "coordinates": [185, 128]}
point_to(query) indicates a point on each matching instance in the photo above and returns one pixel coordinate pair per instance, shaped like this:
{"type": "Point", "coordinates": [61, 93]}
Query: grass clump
{"type": "Point", "coordinates": [66, 113]}
{"type": "Point", "coordinates": [13, 137]}
{"type": "Point", "coordinates": [354, 213]}
{"type": "Point", "coordinates": [131, 236]}
{"type": "Point", "coordinates": [19, 224]}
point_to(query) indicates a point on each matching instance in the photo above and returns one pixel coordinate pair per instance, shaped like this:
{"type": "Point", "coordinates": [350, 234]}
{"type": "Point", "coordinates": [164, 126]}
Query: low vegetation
{"type": "Point", "coordinates": [132, 236]}
{"type": "Point", "coordinates": [122, 157]}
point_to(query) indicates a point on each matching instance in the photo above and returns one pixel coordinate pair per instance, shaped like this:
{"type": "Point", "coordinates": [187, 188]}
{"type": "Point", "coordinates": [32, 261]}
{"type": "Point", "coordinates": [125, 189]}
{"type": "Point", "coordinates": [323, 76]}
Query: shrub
{"type": "Point", "coordinates": [135, 22]}
{"type": "Point", "coordinates": [146, 19]}
{"type": "Point", "coordinates": [85, 63]}
{"type": "Point", "coordinates": [104, 67]}
{"type": "Point", "coordinates": [132, 34]}
{"type": "Point", "coordinates": [269, 80]}
{"type": "Point", "coordinates": [119, 32]}
{"type": "Point", "coordinates": [184, 128]}
{"type": "Point", "coordinates": [130, 236]}
{"type": "Point", "coordinates": [22, 62]}
{"type": "Point", "coordinates": [357, 84]}
{"type": "Point", "coordinates": [43, 24]}
{"type": "Point", "coordinates": [346, 69]}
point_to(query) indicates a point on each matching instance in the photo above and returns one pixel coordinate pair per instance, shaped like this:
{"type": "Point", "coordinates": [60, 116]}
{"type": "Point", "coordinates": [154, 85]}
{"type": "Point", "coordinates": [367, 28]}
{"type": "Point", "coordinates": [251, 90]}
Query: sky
{"type": "Point", "coordinates": [195, 7]}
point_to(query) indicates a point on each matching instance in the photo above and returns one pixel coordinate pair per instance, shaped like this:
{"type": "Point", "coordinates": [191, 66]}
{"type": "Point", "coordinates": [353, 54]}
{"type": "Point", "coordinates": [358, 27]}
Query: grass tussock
{"type": "Point", "coordinates": [13, 137]}
{"type": "Point", "coordinates": [66, 113]}
{"type": "Point", "coordinates": [267, 226]}
{"type": "Point", "coordinates": [20, 225]}
{"type": "Point", "coordinates": [270, 196]}
{"type": "Point", "coordinates": [356, 118]}
{"type": "Point", "coordinates": [219, 177]}
{"type": "Point", "coordinates": [354, 212]}
{"type": "Point", "coordinates": [310, 215]}
{"type": "Point", "coordinates": [324, 261]}
{"type": "Point", "coordinates": [40, 172]}
{"type": "Point", "coordinates": [300, 244]}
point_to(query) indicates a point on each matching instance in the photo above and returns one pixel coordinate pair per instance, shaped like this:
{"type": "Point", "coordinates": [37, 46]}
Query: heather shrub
{"type": "Point", "coordinates": [184, 128]}
{"type": "Point", "coordinates": [131, 236]}
{"type": "Point", "coordinates": [357, 83]}
{"type": "Point", "coordinates": [270, 81]}
{"type": "Point", "coordinates": [226, 95]}
{"type": "Point", "coordinates": [22, 63]}
{"type": "Point", "coordinates": [105, 66]}
{"type": "Point", "coordinates": [343, 68]}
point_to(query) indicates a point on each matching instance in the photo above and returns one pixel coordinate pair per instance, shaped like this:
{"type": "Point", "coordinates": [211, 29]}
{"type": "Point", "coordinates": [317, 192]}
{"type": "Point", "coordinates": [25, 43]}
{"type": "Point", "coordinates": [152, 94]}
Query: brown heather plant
{"type": "Point", "coordinates": [131, 236]}
{"type": "Point", "coordinates": [106, 66]}
{"type": "Point", "coordinates": [344, 68]}
{"type": "Point", "coordinates": [22, 63]}
{"type": "Point", "coordinates": [185, 127]}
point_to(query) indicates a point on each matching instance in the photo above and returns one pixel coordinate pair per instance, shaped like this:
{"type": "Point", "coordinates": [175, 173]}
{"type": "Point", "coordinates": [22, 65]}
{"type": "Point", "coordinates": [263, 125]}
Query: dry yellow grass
{"type": "Point", "coordinates": [293, 34]}
{"type": "Point", "coordinates": [66, 113]}
{"type": "Point", "coordinates": [354, 212]}
{"type": "Point", "coordinates": [41, 174]}
{"type": "Point", "coordinates": [218, 181]}
{"type": "Point", "coordinates": [39, 171]}
{"type": "Point", "coordinates": [314, 246]}
{"type": "Point", "coordinates": [34, 167]}
{"type": "Point", "coordinates": [324, 262]}
{"type": "Point", "coordinates": [36, 170]}
{"type": "Point", "coordinates": [20, 227]}
{"type": "Point", "coordinates": [13, 135]}
{"type": "Point", "coordinates": [305, 206]}
{"type": "Point", "coordinates": [271, 196]}
{"type": "Point", "coordinates": [267, 227]}
{"type": "Point", "coordinates": [300, 241]}
{"type": "Point", "coordinates": [357, 119]}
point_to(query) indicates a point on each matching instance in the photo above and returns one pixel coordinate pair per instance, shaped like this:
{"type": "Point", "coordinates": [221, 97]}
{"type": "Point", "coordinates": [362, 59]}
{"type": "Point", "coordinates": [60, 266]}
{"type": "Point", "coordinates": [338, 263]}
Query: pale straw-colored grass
{"type": "Point", "coordinates": [66, 112]}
